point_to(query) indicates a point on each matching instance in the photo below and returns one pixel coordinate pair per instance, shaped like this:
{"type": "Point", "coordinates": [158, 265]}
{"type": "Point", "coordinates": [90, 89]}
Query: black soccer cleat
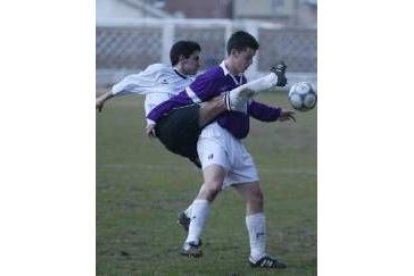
{"type": "Point", "coordinates": [280, 70]}
{"type": "Point", "coordinates": [267, 262]}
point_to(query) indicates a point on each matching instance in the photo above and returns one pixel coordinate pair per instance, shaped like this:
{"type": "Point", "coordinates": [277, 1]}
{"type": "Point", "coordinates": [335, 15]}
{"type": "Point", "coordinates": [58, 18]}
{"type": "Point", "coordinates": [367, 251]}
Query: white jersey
{"type": "Point", "coordinates": [158, 82]}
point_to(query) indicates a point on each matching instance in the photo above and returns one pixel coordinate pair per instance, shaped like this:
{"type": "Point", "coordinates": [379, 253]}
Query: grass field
{"type": "Point", "coordinates": [140, 188]}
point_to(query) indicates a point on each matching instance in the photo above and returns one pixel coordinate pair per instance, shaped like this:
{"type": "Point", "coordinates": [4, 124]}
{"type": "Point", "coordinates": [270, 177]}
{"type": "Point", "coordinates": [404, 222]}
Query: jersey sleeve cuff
{"type": "Point", "coordinates": [151, 122]}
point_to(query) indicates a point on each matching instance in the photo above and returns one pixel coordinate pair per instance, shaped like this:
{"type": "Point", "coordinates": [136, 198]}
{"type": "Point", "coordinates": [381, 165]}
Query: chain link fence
{"type": "Point", "coordinates": [124, 47]}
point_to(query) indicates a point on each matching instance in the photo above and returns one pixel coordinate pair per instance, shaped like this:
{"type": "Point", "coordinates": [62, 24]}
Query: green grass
{"type": "Point", "coordinates": [141, 187]}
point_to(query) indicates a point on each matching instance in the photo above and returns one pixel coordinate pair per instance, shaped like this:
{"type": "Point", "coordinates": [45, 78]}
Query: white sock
{"type": "Point", "coordinates": [188, 211]}
{"type": "Point", "coordinates": [256, 226]}
{"type": "Point", "coordinates": [200, 210]}
{"type": "Point", "coordinates": [236, 99]}
{"type": "Point", "coordinates": [262, 83]}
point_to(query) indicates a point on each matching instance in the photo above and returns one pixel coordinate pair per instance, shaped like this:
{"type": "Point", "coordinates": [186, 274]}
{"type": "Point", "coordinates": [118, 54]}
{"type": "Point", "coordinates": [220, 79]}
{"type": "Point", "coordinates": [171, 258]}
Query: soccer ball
{"type": "Point", "coordinates": [302, 96]}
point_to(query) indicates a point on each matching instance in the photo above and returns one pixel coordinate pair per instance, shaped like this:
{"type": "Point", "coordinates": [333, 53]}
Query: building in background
{"type": "Point", "coordinates": [200, 8]}
{"type": "Point", "coordinates": [129, 9]}
{"type": "Point", "coordinates": [295, 13]}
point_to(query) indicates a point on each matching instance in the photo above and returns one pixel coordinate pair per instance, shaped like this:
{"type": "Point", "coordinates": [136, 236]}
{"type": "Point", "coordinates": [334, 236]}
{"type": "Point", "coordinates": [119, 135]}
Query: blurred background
{"type": "Point", "coordinates": [131, 34]}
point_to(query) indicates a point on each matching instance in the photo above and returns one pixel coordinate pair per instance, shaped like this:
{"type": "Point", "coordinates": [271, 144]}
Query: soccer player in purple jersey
{"type": "Point", "coordinates": [225, 160]}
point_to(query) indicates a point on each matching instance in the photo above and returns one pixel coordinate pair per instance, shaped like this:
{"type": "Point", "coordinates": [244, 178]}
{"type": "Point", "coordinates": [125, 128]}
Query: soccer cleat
{"type": "Point", "coordinates": [267, 262]}
{"type": "Point", "coordinates": [184, 220]}
{"type": "Point", "coordinates": [192, 250]}
{"type": "Point", "coordinates": [280, 70]}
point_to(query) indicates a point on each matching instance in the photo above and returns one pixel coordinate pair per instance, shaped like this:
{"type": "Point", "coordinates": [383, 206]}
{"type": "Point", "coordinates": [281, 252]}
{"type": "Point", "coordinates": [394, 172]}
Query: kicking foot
{"type": "Point", "coordinates": [236, 99]}
{"type": "Point", "coordinates": [280, 70]}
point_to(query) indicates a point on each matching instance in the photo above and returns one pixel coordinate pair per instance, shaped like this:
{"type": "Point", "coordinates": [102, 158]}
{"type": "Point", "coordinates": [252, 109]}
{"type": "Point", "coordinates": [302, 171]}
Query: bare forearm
{"type": "Point", "coordinates": [104, 97]}
{"type": "Point", "coordinates": [100, 101]}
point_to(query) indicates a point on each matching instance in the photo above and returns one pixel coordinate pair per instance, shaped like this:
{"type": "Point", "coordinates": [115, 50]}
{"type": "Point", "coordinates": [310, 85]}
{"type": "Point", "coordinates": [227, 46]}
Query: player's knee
{"type": "Point", "coordinates": [256, 198]}
{"type": "Point", "coordinates": [212, 189]}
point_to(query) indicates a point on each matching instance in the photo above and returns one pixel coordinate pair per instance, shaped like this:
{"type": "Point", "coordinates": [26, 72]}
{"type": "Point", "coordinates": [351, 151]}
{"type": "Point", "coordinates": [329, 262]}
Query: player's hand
{"type": "Point", "coordinates": [150, 131]}
{"type": "Point", "coordinates": [287, 115]}
{"type": "Point", "coordinates": [280, 70]}
{"type": "Point", "coordinates": [99, 105]}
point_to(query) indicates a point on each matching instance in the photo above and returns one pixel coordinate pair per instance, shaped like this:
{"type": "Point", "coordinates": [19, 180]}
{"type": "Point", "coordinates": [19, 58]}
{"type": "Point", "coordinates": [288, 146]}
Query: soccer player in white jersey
{"type": "Point", "coordinates": [225, 160]}
{"type": "Point", "coordinates": [159, 82]}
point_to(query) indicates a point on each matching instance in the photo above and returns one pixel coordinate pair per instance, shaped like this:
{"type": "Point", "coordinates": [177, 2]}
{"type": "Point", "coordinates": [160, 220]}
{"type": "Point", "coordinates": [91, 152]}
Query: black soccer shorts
{"type": "Point", "coordinates": [179, 131]}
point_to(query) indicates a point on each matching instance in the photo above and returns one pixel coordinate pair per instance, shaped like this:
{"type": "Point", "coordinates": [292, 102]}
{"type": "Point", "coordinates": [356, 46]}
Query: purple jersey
{"type": "Point", "coordinates": [209, 85]}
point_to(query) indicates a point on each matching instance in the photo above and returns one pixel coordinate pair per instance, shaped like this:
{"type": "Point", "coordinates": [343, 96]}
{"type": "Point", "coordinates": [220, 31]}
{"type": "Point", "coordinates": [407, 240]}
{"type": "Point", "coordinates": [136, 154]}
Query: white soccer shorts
{"type": "Point", "coordinates": [216, 146]}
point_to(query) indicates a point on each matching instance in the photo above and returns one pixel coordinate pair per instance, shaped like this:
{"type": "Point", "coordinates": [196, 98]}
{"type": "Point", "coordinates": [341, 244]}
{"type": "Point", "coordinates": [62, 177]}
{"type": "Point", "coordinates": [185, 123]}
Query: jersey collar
{"type": "Point", "coordinates": [226, 71]}
{"type": "Point", "coordinates": [181, 75]}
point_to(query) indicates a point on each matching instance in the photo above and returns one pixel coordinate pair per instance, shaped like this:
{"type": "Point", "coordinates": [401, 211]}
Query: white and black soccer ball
{"type": "Point", "coordinates": [302, 96]}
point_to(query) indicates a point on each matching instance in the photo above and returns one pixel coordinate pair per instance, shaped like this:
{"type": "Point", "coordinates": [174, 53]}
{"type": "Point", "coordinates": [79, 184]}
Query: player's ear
{"type": "Point", "coordinates": [234, 52]}
{"type": "Point", "coordinates": [181, 58]}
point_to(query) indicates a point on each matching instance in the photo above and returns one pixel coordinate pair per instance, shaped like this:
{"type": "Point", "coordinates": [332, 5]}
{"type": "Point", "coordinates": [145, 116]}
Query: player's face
{"type": "Point", "coordinates": [243, 59]}
{"type": "Point", "coordinates": [191, 64]}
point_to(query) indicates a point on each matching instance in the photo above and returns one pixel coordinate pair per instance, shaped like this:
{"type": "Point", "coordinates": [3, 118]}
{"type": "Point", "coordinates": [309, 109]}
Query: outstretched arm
{"type": "Point", "coordinates": [265, 113]}
{"type": "Point", "coordinates": [100, 101]}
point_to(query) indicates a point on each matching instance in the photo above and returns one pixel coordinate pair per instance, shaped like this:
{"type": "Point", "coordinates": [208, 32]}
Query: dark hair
{"type": "Point", "coordinates": [183, 48]}
{"type": "Point", "coordinates": [241, 40]}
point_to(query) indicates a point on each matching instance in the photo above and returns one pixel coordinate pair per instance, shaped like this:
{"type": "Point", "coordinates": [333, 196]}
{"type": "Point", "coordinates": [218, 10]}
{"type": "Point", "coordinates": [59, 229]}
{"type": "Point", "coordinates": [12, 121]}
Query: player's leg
{"type": "Point", "coordinates": [253, 196]}
{"type": "Point", "coordinates": [245, 181]}
{"type": "Point", "coordinates": [256, 226]}
{"type": "Point", "coordinates": [215, 164]}
{"type": "Point", "coordinates": [237, 97]}
{"type": "Point", "coordinates": [179, 132]}
{"type": "Point", "coordinates": [200, 209]}
{"type": "Point", "coordinates": [255, 219]}
{"type": "Point", "coordinates": [210, 110]}
{"type": "Point", "coordinates": [240, 95]}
